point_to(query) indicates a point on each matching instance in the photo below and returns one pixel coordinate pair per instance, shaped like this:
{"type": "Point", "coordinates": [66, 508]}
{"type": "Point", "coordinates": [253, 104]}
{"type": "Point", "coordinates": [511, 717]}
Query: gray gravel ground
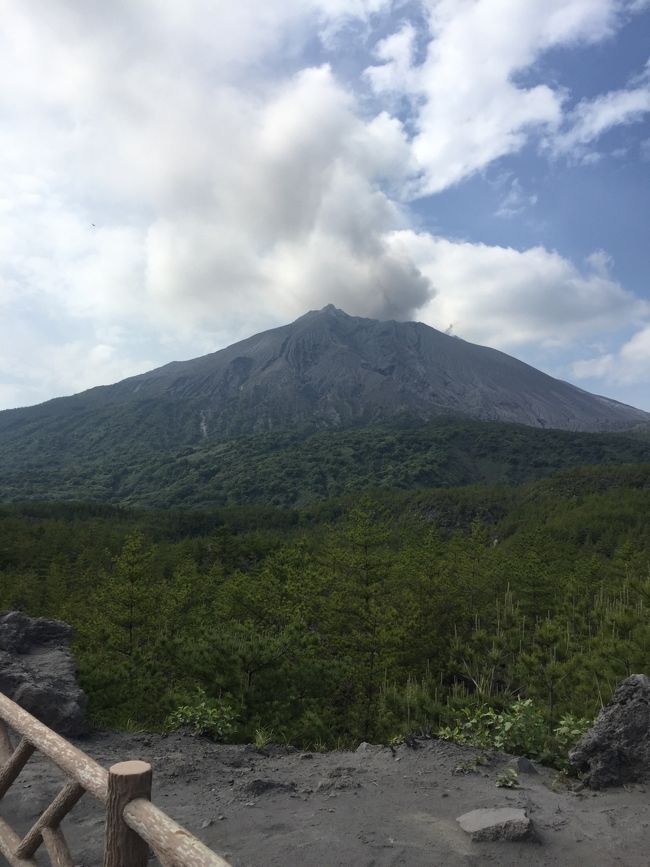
{"type": "Point", "coordinates": [371, 808]}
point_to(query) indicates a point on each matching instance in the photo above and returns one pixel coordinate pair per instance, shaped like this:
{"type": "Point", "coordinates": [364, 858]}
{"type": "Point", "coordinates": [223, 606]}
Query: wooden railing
{"type": "Point", "coordinates": [133, 823]}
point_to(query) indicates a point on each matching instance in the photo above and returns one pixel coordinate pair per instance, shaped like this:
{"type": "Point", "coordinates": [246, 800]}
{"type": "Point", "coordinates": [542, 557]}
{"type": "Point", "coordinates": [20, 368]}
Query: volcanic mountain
{"type": "Point", "coordinates": [328, 369]}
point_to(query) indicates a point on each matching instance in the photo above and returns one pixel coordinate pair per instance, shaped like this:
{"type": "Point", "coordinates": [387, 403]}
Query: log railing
{"type": "Point", "coordinates": [133, 823]}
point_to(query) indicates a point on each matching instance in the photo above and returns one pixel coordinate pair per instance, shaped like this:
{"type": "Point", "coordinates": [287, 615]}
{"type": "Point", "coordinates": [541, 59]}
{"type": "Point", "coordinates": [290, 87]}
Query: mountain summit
{"type": "Point", "coordinates": [329, 369]}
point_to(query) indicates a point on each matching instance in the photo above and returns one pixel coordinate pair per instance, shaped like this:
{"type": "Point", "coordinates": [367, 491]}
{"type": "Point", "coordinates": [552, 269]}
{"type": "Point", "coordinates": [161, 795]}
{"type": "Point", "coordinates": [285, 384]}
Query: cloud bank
{"type": "Point", "coordinates": [502, 297]}
{"type": "Point", "coordinates": [628, 366]}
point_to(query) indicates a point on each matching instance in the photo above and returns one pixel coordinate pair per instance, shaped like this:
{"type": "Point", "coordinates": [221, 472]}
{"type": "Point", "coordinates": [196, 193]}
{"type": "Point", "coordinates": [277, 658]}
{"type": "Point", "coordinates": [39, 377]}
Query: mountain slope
{"type": "Point", "coordinates": [330, 403]}
{"type": "Point", "coordinates": [327, 369]}
{"type": "Point", "coordinates": [294, 468]}
{"type": "Point", "coordinates": [330, 369]}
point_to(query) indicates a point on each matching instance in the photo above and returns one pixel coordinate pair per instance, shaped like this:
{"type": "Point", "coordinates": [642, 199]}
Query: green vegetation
{"type": "Point", "coordinates": [137, 466]}
{"type": "Point", "coordinates": [508, 779]}
{"type": "Point", "coordinates": [353, 619]}
{"type": "Point", "coordinates": [520, 729]}
{"type": "Point", "coordinates": [204, 717]}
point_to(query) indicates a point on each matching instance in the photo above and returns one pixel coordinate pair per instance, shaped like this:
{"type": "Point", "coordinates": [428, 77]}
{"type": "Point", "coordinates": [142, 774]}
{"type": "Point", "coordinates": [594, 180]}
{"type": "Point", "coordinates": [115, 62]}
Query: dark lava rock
{"type": "Point", "coordinates": [617, 749]}
{"type": "Point", "coordinates": [525, 766]}
{"type": "Point", "coordinates": [37, 671]}
{"type": "Point", "coordinates": [20, 633]}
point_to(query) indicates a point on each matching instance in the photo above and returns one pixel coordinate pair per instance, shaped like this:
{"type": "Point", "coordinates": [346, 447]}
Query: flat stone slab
{"type": "Point", "coordinates": [504, 823]}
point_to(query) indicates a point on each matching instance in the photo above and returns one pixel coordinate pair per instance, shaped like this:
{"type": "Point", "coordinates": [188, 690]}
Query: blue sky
{"type": "Point", "coordinates": [175, 177]}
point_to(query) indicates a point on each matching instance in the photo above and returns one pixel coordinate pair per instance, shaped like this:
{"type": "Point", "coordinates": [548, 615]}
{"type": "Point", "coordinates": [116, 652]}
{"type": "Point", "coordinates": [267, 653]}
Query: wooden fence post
{"type": "Point", "coordinates": [123, 847]}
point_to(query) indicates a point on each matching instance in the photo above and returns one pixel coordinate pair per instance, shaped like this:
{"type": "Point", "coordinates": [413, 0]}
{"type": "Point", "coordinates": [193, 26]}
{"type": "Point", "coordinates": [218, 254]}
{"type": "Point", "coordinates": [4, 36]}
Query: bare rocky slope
{"type": "Point", "coordinates": [328, 369]}
{"type": "Point", "coordinates": [371, 808]}
{"type": "Point", "coordinates": [334, 369]}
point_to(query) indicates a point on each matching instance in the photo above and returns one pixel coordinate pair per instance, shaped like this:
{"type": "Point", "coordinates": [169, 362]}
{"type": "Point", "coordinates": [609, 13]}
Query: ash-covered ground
{"type": "Point", "coordinates": [371, 808]}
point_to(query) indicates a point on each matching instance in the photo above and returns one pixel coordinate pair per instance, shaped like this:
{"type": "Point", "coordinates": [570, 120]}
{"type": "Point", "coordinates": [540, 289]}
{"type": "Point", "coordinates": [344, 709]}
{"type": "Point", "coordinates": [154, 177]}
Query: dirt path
{"type": "Point", "coordinates": [373, 808]}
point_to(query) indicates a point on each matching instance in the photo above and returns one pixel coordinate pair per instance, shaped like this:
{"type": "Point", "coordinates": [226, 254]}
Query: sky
{"type": "Point", "coordinates": [177, 176]}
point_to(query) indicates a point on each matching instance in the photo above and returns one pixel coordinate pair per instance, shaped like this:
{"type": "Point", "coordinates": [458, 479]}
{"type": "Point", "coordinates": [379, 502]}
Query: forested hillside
{"type": "Point", "coordinates": [293, 468]}
{"type": "Point", "coordinates": [352, 619]}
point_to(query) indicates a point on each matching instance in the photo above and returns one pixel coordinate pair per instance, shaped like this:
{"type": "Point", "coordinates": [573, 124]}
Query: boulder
{"type": "Point", "coordinates": [616, 749]}
{"type": "Point", "coordinates": [525, 766]}
{"type": "Point", "coordinates": [37, 671]}
{"type": "Point", "coordinates": [502, 823]}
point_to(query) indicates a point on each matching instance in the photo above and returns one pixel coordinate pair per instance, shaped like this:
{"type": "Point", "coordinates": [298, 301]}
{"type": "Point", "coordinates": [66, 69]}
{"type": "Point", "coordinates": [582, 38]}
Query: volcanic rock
{"type": "Point", "coordinates": [617, 749]}
{"type": "Point", "coordinates": [37, 671]}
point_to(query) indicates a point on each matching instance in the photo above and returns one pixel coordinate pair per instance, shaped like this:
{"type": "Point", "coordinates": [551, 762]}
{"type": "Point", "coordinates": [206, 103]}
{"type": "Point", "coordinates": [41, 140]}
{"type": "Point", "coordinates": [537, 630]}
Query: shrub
{"type": "Point", "coordinates": [520, 729]}
{"type": "Point", "coordinates": [508, 779]}
{"type": "Point", "coordinates": [212, 717]}
{"type": "Point", "coordinates": [569, 731]}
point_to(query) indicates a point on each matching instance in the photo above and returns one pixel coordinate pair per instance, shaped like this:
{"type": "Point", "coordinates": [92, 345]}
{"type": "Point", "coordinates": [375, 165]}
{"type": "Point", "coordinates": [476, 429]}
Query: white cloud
{"type": "Point", "coordinates": [397, 55]}
{"type": "Point", "coordinates": [508, 298]}
{"type": "Point", "coordinates": [601, 263]}
{"type": "Point", "coordinates": [215, 183]}
{"type": "Point", "coordinates": [515, 201]}
{"type": "Point", "coordinates": [629, 365]}
{"type": "Point", "coordinates": [469, 110]}
{"type": "Point", "coordinates": [297, 214]}
{"type": "Point", "coordinates": [592, 118]}
{"type": "Point", "coordinates": [34, 369]}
